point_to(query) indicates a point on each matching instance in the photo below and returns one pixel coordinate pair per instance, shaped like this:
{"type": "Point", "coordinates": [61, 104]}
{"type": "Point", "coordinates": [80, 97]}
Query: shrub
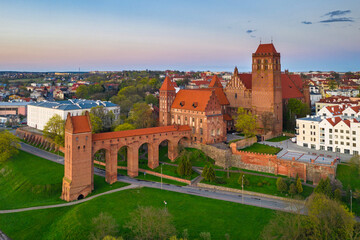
{"type": "Point", "coordinates": [292, 189]}
{"type": "Point", "coordinates": [337, 194]}
{"type": "Point", "coordinates": [259, 184]}
{"type": "Point", "coordinates": [299, 187]}
{"type": "Point", "coordinates": [281, 185]}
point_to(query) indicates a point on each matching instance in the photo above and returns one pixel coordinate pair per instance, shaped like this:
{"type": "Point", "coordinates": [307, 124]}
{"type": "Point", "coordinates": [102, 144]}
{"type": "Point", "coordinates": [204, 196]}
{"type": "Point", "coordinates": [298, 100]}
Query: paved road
{"type": "Point", "coordinates": [215, 194]}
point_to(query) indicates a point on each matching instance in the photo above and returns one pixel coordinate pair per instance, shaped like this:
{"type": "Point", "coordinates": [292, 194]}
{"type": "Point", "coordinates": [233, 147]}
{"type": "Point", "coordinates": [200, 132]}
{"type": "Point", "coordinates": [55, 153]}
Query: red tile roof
{"type": "Point", "coordinates": [246, 79]}
{"type": "Point", "coordinates": [140, 132]}
{"type": "Point", "coordinates": [188, 98]}
{"type": "Point", "coordinates": [266, 48]}
{"type": "Point", "coordinates": [289, 89]}
{"type": "Point", "coordinates": [219, 94]}
{"type": "Point", "coordinates": [296, 80]}
{"type": "Point", "coordinates": [337, 109]}
{"type": "Point", "coordinates": [80, 124]}
{"type": "Point", "coordinates": [215, 82]}
{"type": "Point", "coordinates": [167, 85]}
{"type": "Point", "coordinates": [356, 108]}
{"type": "Point", "coordinates": [335, 121]}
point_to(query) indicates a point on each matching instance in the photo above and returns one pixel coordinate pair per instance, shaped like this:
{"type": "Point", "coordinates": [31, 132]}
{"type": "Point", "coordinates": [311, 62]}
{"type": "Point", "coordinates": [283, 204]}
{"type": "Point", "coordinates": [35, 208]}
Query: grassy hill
{"type": "Point", "coordinates": [27, 180]}
{"type": "Point", "coordinates": [197, 214]}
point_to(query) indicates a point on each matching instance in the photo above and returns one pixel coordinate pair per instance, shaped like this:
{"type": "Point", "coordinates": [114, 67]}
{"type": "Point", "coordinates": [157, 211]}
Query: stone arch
{"type": "Point", "coordinates": [100, 156]}
{"type": "Point", "coordinates": [80, 197]}
{"type": "Point", "coordinates": [122, 156]}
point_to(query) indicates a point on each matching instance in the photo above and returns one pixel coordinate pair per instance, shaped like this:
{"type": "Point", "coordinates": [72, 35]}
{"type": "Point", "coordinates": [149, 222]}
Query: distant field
{"type": "Point", "coordinates": [197, 214]}
{"type": "Point", "coordinates": [26, 80]}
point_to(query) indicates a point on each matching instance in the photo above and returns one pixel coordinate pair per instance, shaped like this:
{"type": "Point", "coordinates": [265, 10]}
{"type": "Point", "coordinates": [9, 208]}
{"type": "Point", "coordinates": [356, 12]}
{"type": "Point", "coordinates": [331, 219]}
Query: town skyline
{"type": "Point", "coordinates": [158, 35]}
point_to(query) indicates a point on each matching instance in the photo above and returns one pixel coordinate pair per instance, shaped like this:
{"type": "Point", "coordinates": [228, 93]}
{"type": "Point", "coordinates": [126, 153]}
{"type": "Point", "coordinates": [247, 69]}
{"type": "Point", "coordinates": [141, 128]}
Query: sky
{"type": "Point", "coordinates": [217, 35]}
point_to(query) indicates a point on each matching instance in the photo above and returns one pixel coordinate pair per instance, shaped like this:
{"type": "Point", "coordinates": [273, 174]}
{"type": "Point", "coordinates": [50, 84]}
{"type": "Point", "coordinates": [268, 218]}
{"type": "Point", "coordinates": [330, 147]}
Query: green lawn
{"type": "Point", "coordinates": [257, 184]}
{"type": "Point", "coordinates": [194, 213]}
{"type": "Point", "coordinates": [261, 148]}
{"type": "Point", "coordinates": [278, 139]}
{"type": "Point", "coordinates": [60, 153]}
{"type": "Point", "coordinates": [27, 180]}
{"type": "Point", "coordinates": [348, 176]}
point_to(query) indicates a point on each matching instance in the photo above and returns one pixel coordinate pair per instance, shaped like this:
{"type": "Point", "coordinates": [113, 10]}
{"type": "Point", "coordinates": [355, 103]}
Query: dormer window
{"type": "Point", "coordinates": [182, 103]}
{"type": "Point", "coordinates": [195, 104]}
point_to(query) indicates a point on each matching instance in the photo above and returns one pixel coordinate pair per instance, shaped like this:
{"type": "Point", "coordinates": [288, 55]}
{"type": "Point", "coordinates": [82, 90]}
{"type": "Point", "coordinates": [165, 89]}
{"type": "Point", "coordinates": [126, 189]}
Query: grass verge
{"type": "Point", "coordinates": [261, 148]}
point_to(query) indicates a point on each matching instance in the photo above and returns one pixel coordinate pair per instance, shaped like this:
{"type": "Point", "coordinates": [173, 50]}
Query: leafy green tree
{"type": "Point", "coordinates": [294, 109]}
{"type": "Point", "coordinates": [82, 92]}
{"type": "Point", "coordinates": [141, 116]}
{"type": "Point", "coordinates": [150, 223]}
{"type": "Point", "coordinates": [281, 185]}
{"type": "Point", "coordinates": [210, 174]}
{"type": "Point", "coordinates": [332, 84]}
{"type": "Point", "coordinates": [9, 145]}
{"type": "Point", "coordinates": [124, 126]}
{"type": "Point", "coordinates": [55, 130]}
{"type": "Point", "coordinates": [299, 187]}
{"type": "Point", "coordinates": [101, 119]}
{"type": "Point", "coordinates": [292, 189]}
{"type": "Point", "coordinates": [103, 225]}
{"type": "Point", "coordinates": [337, 194]}
{"type": "Point", "coordinates": [181, 166]}
{"type": "Point", "coordinates": [205, 172]}
{"type": "Point", "coordinates": [151, 99]}
{"type": "Point", "coordinates": [246, 122]}
{"type": "Point", "coordinates": [324, 187]}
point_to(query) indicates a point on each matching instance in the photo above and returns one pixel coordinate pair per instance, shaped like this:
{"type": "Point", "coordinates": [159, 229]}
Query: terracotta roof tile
{"type": "Point", "coordinates": [215, 82]}
{"type": "Point", "coordinates": [167, 85]}
{"type": "Point", "coordinates": [334, 121]}
{"type": "Point", "coordinates": [139, 132]}
{"type": "Point", "coordinates": [227, 117]}
{"type": "Point", "coordinates": [246, 79]}
{"type": "Point", "coordinates": [219, 94]}
{"type": "Point", "coordinates": [192, 97]}
{"type": "Point", "coordinates": [266, 48]}
{"type": "Point", "coordinates": [289, 89]}
{"type": "Point", "coordinates": [80, 124]}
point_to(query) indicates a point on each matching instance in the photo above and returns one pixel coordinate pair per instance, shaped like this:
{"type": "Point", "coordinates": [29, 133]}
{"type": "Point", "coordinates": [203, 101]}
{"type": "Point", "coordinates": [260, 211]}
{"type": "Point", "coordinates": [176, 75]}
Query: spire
{"type": "Point", "coordinates": [167, 86]}
{"type": "Point", "coordinates": [236, 72]}
{"type": "Point", "coordinates": [215, 82]}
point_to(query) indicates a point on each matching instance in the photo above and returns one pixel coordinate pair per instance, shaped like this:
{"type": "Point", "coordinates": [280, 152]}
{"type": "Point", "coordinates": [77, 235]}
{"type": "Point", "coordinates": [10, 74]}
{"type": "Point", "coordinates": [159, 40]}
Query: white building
{"type": "Point", "coordinates": [40, 113]}
{"type": "Point", "coordinates": [334, 129]}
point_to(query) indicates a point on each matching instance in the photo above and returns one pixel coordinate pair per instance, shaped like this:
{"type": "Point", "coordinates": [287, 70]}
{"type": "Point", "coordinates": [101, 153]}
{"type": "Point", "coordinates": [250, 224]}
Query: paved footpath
{"type": "Point", "coordinates": [265, 202]}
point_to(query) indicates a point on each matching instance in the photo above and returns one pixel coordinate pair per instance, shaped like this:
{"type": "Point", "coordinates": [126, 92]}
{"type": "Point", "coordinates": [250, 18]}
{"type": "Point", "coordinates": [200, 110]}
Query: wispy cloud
{"type": "Point", "coordinates": [343, 19]}
{"type": "Point", "coordinates": [337, 13]}
{"type": "Point", "coordinates": [306, 22]}
{"type": "Point", "coordinates": [250, 31]}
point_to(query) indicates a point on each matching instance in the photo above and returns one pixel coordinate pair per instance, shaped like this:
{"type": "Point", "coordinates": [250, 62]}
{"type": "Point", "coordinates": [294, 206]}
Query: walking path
{"type": "Point", "coordinates": [69, 203]}
{"type": "Point", "coordinates": [3, 236]}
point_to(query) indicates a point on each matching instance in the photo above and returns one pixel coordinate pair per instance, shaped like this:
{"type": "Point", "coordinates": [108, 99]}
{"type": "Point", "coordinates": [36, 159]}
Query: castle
{"type": "Point", "coordinates": [210, 112]}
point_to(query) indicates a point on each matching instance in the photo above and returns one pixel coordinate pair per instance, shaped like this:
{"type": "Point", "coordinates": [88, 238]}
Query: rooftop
{"type": "Point", "coordinates": [73, 104]}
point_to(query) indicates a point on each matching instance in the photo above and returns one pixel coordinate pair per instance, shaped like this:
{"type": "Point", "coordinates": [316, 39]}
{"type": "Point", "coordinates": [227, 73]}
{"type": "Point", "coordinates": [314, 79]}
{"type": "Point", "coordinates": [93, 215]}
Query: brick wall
{"type": "Point", "coordinates": [245, 142]}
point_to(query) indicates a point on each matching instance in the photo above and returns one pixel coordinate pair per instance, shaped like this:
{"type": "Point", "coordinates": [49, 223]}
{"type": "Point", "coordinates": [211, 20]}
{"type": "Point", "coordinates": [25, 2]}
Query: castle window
{"type": "Point", "coordinates": [266, 67]}
{"type": "Point", "coordinates": [77, 139]}
{"type": "Point", "coordinates": [200, 120]}
{"type": "Point", "coordinates": [201, 131]}
{"type": "Point", "coordinates": [235, 95]}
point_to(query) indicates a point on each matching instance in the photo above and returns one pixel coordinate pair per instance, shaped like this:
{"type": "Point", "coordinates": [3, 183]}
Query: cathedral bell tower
{"type": "Point", "coordinates": [266, 85]}
{"type": "Point", "coordinates": [167, 96]}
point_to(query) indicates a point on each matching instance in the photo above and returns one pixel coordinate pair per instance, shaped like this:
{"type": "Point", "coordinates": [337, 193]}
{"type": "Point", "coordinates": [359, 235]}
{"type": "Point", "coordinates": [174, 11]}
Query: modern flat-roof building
{"type": "Point", "coordinates": [39, 113]}
{"type": "Point", "coordinates": [13, 108]}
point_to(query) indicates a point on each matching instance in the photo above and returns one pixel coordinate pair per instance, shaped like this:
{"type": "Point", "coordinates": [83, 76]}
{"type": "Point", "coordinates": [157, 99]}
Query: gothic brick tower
{"type": "Point", "coordinates": [167, 96]}
{"type": "Point", "coordinates": [266, 84]}
{"type": "Point", "coordinates": [79, 170]}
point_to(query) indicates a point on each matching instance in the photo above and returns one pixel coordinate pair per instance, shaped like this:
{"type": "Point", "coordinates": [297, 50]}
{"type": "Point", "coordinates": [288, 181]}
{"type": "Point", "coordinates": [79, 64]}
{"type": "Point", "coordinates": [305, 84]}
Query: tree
{"type": "Point", "coordinates": [210, 176]}
{"type": "Point", "coordinates": [141, 116]}
{"type": "Point", "coordinates": [267, 121]}
{"type": "Point", "coordinates": [55, 130]}
{"type": "Point", "coordinates": [103, 225]}
{"type": "Point", "coordinates": [281, 185]}
{"type": "Point", "coordinates": [324, 187]}
{"type": "Point", "coordinates": [151, 99]}
{"type": "Point", "coordinates": [246, 122]}
{"type": "Point", "coordinates": [150, 223]}
{"type": "Point", "coordinates": [9, 145]}
{"type": "Point", "coordinates": [181, 166]}
{"type": "Point", "coordinates": [101, 119]}
{"type": "Point", "coordinates": [332, 84]}
{"type": "Point", "coordinates": [124, 126]}
{"type": "Point", "coordinates": [205, 172]}
{"type": "Point", "coordinates": [299, 188]}
{"type": "Point", "coordinates": [292, 189]}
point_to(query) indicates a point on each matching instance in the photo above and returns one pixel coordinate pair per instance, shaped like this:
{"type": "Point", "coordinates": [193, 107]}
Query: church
{"type": "Point", "coordinates": [211, 112]}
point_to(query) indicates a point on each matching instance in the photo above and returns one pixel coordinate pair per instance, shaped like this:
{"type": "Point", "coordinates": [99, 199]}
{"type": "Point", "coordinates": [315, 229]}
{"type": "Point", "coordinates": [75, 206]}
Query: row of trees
{"type": "Point", "coordinates": [290, 187]}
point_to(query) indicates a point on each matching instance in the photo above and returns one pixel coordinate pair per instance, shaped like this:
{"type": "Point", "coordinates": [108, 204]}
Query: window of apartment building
{"type": "Point", "coordinates": [303, 132]}
{"type": "Point", "coordinates": [341, 143]}
{"type": "Point", "coordinates": [341, 131]}
{"type": "Point", "coordinates": [330, 136]}
{"type": "Point", "coordinates": [354, 144]}
{"type": "Point", "coordinates": [330, 130]}
{"type": "Point", "coordinates": [347, 144]}
{"type": "Point", "coordinates": [352, 115]}
{"type": "Point", "coordinates": [330, 142]}
{"type": "Point", "coordinates": [313, 146]}
{"type": "Point", "coordinates": [347, 138]}
{"type": "Point", "coordinates": [354, 139]}
{"type": "Point", "coordinates": [303, 125]}
{"type": "Point", "coordinates": [336, 130]}
{"type": "Point", "coordinates": [346, 151]}
{"type": "Point", "coordinates": [337, 149]}
{"type": "Point", "coordinates": [353, 132]}
{"type": "Point", "coordinates": [304, 138]}
{"type": "Point", "coordinates": [347, 131]}
{"type": "Point", "coordinates": [322, 147]}
{"type": "Point", "coordinates": [336, 142]}
{"type": "Point", "coordinates": [341, 137]}
{"type": "Point", "coordinates": [355, 153]}
{"type": "Point", "coordinates": [306, 145]}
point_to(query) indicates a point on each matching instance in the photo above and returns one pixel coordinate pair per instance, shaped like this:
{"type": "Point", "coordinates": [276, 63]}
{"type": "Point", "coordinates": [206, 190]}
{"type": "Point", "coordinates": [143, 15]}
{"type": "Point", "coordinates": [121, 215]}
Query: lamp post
{"type": "Point", "coordinates": [161, 175]}
{"type": "Point", "coordinates": [242, 186]}
{"type": "Point", "coordinates": [350, 200]}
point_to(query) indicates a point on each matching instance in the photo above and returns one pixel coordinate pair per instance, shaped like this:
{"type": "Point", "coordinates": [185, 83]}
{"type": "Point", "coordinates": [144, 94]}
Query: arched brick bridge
{"type": "Point", "coordinates": [81, 145]}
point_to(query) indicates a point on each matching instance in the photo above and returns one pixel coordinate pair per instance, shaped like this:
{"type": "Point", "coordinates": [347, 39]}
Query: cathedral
{"type": "Point", "coordinates": [211, 112]}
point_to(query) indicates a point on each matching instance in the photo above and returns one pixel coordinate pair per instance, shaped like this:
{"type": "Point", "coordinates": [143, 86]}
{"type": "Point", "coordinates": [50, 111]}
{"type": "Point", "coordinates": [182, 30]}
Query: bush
{"type": "Point", "coordinates": [259, 184]}
{"type": "Point", "coordinates": [337, 194]}
{"type": "Point", "coordinates": [281, 185]}
{"type": "Point", "coordinates": [299, 187]}
{"type": "Point", "coordinates": [292, 189]}
{"type": "Point", "coordinates": [220, 181]}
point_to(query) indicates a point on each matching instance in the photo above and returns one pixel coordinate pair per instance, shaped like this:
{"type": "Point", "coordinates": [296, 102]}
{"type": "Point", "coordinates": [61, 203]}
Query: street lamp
{"type": "Point", "coordinates": [242, 186]}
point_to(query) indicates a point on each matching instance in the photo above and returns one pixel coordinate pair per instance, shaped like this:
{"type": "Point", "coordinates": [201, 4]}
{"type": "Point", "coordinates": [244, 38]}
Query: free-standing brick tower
{"type": "Point", "coordinates": [266, 84]}
{"type": "Point", "coordinates": [167, 96]}
{"type": "Point", "coordinates": [79, 171]}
